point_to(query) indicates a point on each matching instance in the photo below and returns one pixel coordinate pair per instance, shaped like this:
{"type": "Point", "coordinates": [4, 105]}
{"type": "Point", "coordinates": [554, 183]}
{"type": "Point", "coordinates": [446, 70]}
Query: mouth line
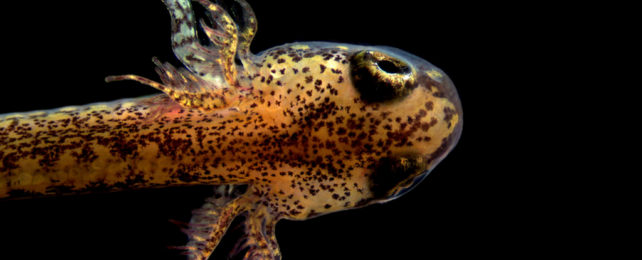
{"type": "Point", "coordinates": [407, 188]}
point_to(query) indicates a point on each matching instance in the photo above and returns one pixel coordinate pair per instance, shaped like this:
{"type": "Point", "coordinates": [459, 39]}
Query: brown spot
{"type": "Point", "coordinates": [448, 114]}
{"type": "Point", "coordinates": [429, 105]}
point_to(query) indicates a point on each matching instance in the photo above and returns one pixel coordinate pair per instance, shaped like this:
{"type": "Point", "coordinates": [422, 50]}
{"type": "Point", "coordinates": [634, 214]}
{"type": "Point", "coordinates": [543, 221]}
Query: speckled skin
{"type": "Point", "coordinates": [296, 126]}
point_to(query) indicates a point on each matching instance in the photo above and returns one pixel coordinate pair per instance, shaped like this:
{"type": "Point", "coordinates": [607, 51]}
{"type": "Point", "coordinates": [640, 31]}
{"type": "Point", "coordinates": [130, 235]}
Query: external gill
{"type": "Point", "coordinates": [212, 79]}
{"type": "Point", "coordinates": [187, 89]}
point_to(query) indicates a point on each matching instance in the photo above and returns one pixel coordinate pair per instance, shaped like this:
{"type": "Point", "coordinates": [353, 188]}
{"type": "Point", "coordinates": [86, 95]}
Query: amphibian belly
{"type": "Point", "coordinates": [293, 132]}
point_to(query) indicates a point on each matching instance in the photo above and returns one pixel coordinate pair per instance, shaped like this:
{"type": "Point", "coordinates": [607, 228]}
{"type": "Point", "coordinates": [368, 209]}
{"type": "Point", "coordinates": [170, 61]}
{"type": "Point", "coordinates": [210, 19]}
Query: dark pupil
{"type": "Point", "coordinates": [390, 67]}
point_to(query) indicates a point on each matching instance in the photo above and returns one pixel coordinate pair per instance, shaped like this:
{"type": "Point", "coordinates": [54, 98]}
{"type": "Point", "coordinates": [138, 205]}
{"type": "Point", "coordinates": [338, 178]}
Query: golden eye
{"type": "Point", "coordinates": [379, 77]}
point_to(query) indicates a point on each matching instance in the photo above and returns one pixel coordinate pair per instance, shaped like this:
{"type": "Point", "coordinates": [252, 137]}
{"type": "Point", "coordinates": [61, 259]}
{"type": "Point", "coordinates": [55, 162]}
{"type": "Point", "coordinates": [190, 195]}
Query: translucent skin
{"type": "Point", "coordinates": [290, 124]}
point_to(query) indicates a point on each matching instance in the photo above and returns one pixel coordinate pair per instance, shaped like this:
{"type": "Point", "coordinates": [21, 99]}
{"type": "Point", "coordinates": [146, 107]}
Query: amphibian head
{"type": "Point", "coordinates": [371, 122]}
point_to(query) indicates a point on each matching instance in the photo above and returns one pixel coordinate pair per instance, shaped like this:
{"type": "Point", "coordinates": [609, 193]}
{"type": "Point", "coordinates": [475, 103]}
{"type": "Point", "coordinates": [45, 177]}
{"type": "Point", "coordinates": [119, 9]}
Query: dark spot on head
{"type": "Point", "coordinates": [429, 105]}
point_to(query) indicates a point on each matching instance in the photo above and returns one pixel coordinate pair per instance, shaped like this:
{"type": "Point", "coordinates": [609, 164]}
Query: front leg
{"type": "Point", "coordinates": [210, 222]}
{"type": "Point", "coordinates": [259, 241]}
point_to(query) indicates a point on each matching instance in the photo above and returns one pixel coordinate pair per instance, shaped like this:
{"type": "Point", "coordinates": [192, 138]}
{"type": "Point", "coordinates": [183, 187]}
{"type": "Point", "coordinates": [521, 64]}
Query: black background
{"type": "Point", "coordinates": [472, 204]}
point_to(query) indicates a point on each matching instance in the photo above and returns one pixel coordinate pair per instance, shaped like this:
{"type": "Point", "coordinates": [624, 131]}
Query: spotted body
{"type": "Point", "coordinates": [293, 132]}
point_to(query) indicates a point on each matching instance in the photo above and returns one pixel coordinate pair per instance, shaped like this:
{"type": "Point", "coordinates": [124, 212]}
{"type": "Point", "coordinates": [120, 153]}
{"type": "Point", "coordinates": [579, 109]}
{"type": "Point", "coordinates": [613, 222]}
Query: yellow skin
{"type": "Point", "coordinates": [293, 132]}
